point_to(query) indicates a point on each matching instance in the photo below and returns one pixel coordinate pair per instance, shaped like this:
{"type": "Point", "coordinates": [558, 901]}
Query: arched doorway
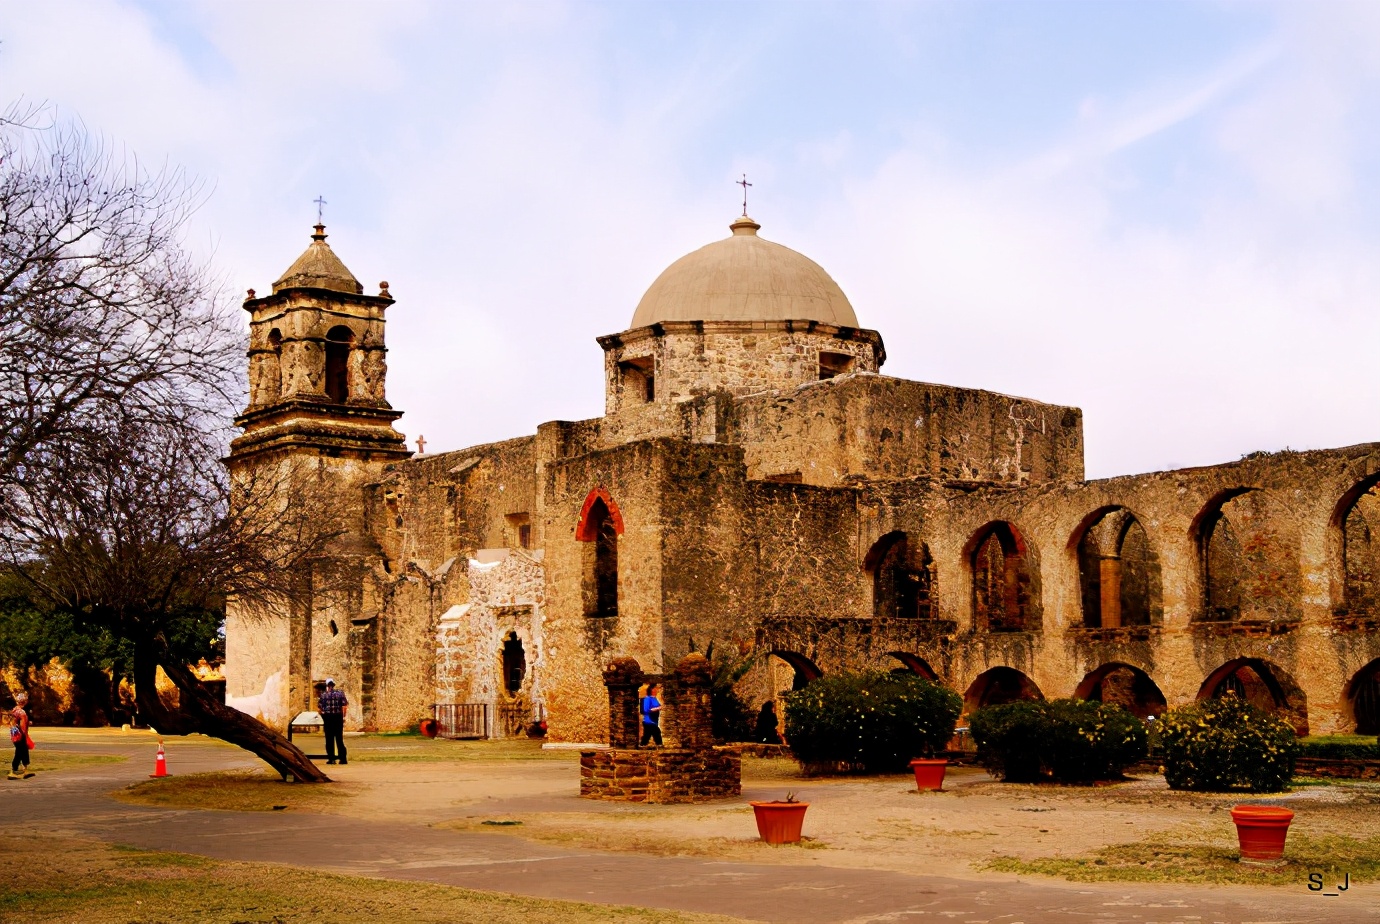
{"type": "Point", "coordinates": [1125, 686]}
{"type": "Point", "coordinates": [1005, 592]}
{"type": "Point", "coordinates": [902, 577]}
{"type": "Point", "coordinates": [805, 669]}
{"type": "Point", "coordinates": [1363, 693]}
{"type": "Point", "coordinates": [913, 664]}
{"type": "Point", "coordinates": [1262, 684]}
{"type": "Point", "coordinates": [514, 663]}
{"type": "Point", "coordinates": [998, 686]}
{"type": "Point", "coordinates": [1118, 572]}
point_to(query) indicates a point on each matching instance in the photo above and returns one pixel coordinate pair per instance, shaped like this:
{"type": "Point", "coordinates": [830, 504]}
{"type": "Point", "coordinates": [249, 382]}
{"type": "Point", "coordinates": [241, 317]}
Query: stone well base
{"type": "Point", "coordinates": [661, 775]}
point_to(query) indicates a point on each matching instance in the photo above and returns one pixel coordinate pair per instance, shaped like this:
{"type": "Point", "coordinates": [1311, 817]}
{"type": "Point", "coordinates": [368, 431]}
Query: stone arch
{"type": "Point", "coordinates": [340, 341]}
{"type": "Point", "coordinates": [914, 664]}
{"type": "Point", "coordinates": [1118, 571]}
{"type": "Point", "coordinates": [599, 527]}
{"type": "Point", "coordinates": [1356, 526]}
{"type": "Point", "coordinates": [903, 578]}
{"type": "Point", "coordinates": [1006, 590]}
{"type": "Point", "coordinates": [999, 685]}
{"type": "Point", "coordinates": [1247, 559]}
{"type": "Point", "coordinates": [805, 669]}
{"type": "Point", "coordinates": [1363, 697]}
{"type": "Point", "coordinates": [585, 530]}
{"type": "Point", "coordinates": [1123, 685]}
{"type": "Point", "coordinates": [1263, 684]}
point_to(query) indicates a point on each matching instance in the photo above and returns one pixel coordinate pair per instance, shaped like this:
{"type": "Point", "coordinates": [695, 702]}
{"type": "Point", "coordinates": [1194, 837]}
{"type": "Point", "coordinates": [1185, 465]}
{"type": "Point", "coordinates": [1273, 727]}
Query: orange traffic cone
{"type": "Point", "coordinates": [160, 763]}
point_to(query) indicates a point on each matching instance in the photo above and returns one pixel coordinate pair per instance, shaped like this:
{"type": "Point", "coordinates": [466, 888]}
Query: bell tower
{"type": "Point", "coordinates": [317, 366]}
{"type": "Point", "coordinates": [318, 430]}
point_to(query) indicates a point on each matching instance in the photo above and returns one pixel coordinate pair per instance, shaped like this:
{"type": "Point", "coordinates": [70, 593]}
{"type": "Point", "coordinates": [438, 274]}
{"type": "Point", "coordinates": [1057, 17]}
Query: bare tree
{"type": "Point", "coordinates": [119, 369]}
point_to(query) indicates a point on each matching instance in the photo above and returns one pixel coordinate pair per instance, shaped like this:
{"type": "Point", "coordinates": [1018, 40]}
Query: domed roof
{"type": "Point", "coordinates": [744, 278]}
{"type": "Point", "coordinates": [319, 268]}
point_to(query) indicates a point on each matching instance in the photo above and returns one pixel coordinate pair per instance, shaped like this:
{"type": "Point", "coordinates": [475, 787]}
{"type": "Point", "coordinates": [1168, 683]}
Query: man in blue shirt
{"type": "Point", "coordinates": [332, 705]}
{"type": "Point", "coordinates": [651, 716]}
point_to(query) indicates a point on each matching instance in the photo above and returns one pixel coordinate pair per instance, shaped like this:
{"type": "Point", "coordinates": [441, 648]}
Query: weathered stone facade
{"type": "Point", "coordinates": [756, 482]}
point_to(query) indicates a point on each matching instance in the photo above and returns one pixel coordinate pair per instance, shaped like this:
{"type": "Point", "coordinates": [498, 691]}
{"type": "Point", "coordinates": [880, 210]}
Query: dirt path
{"type": "Point", "coordinates": [885, 854]}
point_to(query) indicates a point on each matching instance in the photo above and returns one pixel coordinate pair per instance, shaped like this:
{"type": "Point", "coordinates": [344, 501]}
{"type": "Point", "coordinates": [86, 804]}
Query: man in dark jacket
{"type": "Point", "coordinates": [332, 705]}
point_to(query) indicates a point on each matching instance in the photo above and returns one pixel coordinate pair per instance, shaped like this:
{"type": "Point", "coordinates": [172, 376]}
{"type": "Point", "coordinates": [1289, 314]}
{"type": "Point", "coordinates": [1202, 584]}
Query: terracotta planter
{"type": "Point", "coordinates": [929, 774]}
{"type": "Point", "coordinates": [780, 822]}
{"type": "Point", "coordinates": [1261, 829]}
{"type": "Point", "coordinates": [429, 728]}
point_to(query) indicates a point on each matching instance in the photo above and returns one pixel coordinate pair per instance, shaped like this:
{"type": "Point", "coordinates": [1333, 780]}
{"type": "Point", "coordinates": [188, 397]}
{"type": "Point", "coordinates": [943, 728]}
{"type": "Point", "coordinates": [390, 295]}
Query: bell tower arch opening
{"type": "Point", "coordinates": [339, 341]}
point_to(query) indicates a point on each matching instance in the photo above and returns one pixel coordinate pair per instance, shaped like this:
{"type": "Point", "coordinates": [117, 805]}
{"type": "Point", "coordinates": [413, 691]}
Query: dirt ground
{"type": "Point", "coordinates": [878, 823]}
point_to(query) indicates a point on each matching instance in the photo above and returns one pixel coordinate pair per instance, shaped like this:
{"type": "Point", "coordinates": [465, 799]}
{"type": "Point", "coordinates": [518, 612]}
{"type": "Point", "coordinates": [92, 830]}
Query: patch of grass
{"type": "Point", "coordinates": [236, 791]}
{"type": "Point", "coordinates": [409, 747]}
{"type": "Point", "coordinates": [99, 884]}
{"type": "Point", "coordinates": [1168, 859]}
{"type": "Point", "coordinates": [43, 760]}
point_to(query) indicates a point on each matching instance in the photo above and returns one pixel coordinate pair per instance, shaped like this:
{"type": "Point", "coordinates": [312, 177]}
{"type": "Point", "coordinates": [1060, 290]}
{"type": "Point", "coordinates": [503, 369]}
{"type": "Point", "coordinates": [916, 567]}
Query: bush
{"type": "Point", "coordinates": [1219, 745]}
{"type": "Point", "coordinates": [874, 721]}
{"type": "Point", "coordinates": [1339, 747]}
{"type": "Point", "coordinates": [1071, 740]}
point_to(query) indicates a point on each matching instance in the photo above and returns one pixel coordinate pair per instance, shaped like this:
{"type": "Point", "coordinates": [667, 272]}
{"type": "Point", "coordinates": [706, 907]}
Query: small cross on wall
{"type": "Point", "coordinates": [421, 445]}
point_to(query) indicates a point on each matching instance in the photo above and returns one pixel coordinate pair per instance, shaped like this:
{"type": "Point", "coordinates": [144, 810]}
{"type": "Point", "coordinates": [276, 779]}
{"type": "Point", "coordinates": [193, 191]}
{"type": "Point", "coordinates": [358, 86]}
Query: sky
{"type": "Point", "coordinates": [1167, 214]}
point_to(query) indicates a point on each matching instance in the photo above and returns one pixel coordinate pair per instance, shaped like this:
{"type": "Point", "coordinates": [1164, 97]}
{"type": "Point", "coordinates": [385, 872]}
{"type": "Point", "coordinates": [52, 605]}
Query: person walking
{"type": "Point", "coordinates": [766, 732]}
{"type": "Point", "coordinates": [651, 716]}
{"type": "Point", "coordinates": [332, 705]}
{"type": "Point", "coordinates": [19, 737]}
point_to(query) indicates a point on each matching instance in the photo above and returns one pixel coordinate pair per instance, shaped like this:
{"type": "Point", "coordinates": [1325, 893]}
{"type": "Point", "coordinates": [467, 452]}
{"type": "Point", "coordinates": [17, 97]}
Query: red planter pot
{"type": "Point", "coordinates": [429, 727]}
{"type": "Point", "coordinates": [780, 822]}
{"type": "Point", "coordinates": [929, 774]}
{"type": "Point", "coordinates": [1261, 829]}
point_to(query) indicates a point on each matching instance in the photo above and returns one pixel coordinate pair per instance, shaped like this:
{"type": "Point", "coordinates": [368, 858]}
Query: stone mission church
{"type": "Point", "coordinates": [757, 483]}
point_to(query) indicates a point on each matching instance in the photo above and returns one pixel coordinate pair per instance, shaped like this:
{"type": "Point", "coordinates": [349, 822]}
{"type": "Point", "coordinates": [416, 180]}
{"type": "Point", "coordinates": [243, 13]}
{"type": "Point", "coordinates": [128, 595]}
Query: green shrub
{"type": "Point", "coordinates": [874, 722]}
{"type": "Point", "coordinates": [1219, 745]}
{"type": "Point", "coordinates": [1340, 747]}
{"type": "Point", "coordinates": [1071, 740]}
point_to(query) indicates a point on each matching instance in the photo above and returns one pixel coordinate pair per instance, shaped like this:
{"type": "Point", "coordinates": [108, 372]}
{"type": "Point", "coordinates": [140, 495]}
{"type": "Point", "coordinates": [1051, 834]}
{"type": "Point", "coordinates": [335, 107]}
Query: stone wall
{"type": "Point", "coordinates": [661, 776]}
{"type": "Point", "coordinates": [688, 359]}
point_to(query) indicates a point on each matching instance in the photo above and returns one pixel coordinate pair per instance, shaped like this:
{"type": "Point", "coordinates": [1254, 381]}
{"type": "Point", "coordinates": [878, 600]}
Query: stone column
{"type": "Point", "coordinates": [692, 716]}
{"type": "Point", "coordinates": [622, 678]}
{"type": "Point", "coordinates": [1109, 576]}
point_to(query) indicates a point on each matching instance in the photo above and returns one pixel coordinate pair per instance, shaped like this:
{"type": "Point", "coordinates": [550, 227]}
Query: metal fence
{"type": "Point", "coordinates": [462, 720]}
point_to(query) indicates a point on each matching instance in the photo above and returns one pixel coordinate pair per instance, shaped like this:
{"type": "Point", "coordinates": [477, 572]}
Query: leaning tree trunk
{"type": "Point", "coordinates": [199, 711]}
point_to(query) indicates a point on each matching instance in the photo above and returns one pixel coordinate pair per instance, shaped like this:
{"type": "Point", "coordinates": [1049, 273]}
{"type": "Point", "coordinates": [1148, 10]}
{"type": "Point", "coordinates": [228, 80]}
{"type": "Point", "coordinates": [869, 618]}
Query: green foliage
{"type": "Point", "coordinates": [1219, 745]}
{"type": "Point", "coordinates": [874, 721]}
{"type": "Point", "coordinates": [730, 714]}
{"type": "Point", "coordinates": [1070, 740]}
{"type": "Point", "coordinates": [1340, 747]}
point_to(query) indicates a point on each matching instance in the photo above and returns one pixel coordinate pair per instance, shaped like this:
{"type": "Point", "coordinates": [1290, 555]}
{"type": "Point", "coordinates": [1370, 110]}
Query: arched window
{"type": "Point", "coordinates": [1126, 686]}
{"type": "Point", "coordinates": [1263, 684]}
{"type": "Point", "coordinates": [1004, 595]}
{"type": "Point", "coordinates": [902, 578]}
{"type": "Point", "coordinates": [1361, 554]}
{"type": "Point", "coordinates": [1249, 559]}
{"type": "Point", "coordinates": [339, 340]}
{"type": "Point", "coordinates": [599, 526]}
{"type": "Point", "coordinates": [1118, 573]}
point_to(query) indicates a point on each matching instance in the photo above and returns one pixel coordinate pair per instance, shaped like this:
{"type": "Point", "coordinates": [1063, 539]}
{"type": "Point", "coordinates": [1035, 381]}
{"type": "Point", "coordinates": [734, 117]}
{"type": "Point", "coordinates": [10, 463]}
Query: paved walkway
{"type": "Point", "coordinates": [73, 803]}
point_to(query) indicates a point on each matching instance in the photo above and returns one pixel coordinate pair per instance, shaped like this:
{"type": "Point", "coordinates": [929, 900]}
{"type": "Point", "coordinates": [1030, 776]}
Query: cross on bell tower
{"type": "Point", "coordinates": [745, 184]}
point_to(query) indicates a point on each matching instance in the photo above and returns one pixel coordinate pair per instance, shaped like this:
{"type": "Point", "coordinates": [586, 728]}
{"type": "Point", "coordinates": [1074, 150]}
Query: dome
{"type": "Point", "coordinates": [319, 268]}
{"type": "Point", "coordinates": [744, 278]}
